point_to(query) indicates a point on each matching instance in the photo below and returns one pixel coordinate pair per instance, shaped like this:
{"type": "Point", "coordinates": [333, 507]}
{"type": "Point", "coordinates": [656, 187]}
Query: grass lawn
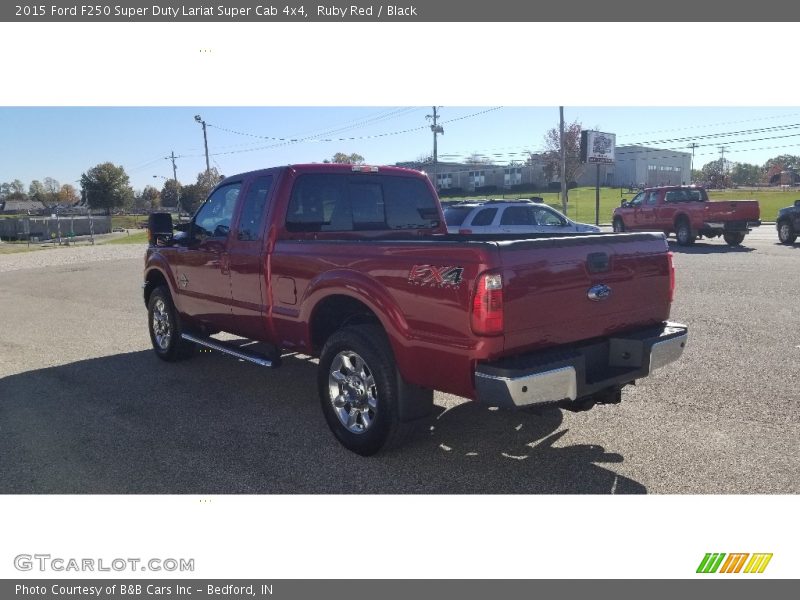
{"type": "Point", "coordinates": [140, 237]}
{"type": "Point", "coordinates": [127, 221]}
{"type": "Point", "coordinates": [14, 248]}
{"type": "Point", "coordinates": [582, 200]}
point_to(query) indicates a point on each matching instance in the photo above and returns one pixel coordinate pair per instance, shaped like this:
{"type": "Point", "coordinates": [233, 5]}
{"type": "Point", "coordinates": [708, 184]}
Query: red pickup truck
{"type": "Point", "coordinates": [354, 265]}
{"type": "Point", "coordinates": [687, 212]}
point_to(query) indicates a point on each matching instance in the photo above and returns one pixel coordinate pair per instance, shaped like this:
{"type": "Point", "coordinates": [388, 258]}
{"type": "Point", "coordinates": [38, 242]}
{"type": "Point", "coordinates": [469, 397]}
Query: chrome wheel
{"type": "Point", "coordinates": [786, 233]}
{"type": "Point", "coordinates": [162, 328]}
{"type": "Point", "coordinates": [352, 391]}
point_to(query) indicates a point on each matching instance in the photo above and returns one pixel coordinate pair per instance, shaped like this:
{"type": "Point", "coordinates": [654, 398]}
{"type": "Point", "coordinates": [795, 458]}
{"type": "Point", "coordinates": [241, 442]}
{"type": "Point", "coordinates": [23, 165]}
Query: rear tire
{"type": "Point", "coordinates": [358, 390]}
{"type": "Point", "coordinates": [619, 225]}
{"type": "Point", "coordinates": [684, 233]}
{"type": "Point", "coordinates": [733, 238]}
{"type": "Point", "coordinates": [165, 327]}
{"type": "Point", "coordinates": [786, 233]}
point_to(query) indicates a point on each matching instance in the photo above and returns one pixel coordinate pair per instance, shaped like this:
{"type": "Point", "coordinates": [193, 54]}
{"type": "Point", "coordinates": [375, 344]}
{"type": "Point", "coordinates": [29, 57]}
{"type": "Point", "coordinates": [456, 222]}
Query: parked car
{"type": "Point", "coordinates": [788, 223]}
{"type": "Point", "coordinates": [687, 212]}
{"type": "Point", "coordinates": [354, 265]}
{"type": "Point", "coordinates": [510, 216]}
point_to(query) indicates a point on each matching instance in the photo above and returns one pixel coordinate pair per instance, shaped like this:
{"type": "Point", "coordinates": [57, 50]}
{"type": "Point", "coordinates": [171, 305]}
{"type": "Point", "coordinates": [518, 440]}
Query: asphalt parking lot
{"type": "Point", "coordinates": [85, 406]}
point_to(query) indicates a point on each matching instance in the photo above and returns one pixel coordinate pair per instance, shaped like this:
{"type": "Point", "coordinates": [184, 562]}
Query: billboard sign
{"type": "Point", "coordinates": [598, 147]}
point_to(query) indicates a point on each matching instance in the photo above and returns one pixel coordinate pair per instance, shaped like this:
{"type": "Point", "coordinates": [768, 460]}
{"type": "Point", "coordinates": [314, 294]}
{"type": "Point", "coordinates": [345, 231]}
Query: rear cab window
{"type": "Point", "coordinates": [323, 202]}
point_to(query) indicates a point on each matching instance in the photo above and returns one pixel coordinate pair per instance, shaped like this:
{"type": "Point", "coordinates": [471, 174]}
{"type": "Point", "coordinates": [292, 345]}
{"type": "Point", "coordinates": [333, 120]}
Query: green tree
{"type": "Point", "coordinates": [151, 198]}
{"type": "Point", "coordinates": [107, 186]}
{"type": "Point", "coordinates": [170, 194]}
{"type": "Point", "coordinates": [746, 174]}
{"type": "Point", "coordinates": [349, 159]}
{"type": "Point", "coordinates": [782, 161]}
{"type": "Point", "coordinates": [36, 191]}
{"type": "Point", "coordinates": [51, 189]}
{"type": "Point", "coordinates": [192, 196]}
{"type": "Point", "coordinates": [16, 187]}
{"type": "Point", "coordinates": [208, 179]}
{"type": "Point", "coordinates": [716, 173]}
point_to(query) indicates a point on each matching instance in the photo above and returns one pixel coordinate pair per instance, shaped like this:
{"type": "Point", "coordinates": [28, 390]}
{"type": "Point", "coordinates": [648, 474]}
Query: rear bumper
{"type": "Point", "coordinates": [578, 371]}
{"type": "Point", "coordinates": [731, 225]}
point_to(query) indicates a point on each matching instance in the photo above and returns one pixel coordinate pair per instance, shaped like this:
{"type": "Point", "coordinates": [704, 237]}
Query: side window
{"type": "Point", "coordinates": [214, 217]}
{"type": "Point", "coordinates": [484, 217]}
{"type": "Point", "coordinates": [548, 218]}
{"type": "Point", "coordinates": [517, 215]}
{"type": "Point", "coordinates": [652, 198]}
{"type": "Point", "coordinates": [251, 223]}
{"type": "Point", "coordinates": [637, 199]}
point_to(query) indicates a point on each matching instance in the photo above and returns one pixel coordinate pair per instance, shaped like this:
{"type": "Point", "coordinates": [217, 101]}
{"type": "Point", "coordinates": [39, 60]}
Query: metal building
{"type": "Point", "coordinates": [642, 166]}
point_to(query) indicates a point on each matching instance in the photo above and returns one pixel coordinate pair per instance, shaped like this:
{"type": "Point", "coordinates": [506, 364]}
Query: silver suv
{"type": "Point", "coordinates": [510, 216]}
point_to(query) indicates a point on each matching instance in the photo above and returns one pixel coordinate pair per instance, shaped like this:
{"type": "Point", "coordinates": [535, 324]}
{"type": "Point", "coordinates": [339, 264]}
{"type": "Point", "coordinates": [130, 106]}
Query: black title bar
{"type": "Point", "coordinates": [462, 11]}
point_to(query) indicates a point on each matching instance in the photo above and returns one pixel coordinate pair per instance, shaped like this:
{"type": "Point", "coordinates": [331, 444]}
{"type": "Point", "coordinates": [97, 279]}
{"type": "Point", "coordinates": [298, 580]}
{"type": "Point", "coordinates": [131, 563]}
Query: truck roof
{"type": "Point", "coordinates": [674, 187]}
{"type": "Point", "coordinates": [333, 168]}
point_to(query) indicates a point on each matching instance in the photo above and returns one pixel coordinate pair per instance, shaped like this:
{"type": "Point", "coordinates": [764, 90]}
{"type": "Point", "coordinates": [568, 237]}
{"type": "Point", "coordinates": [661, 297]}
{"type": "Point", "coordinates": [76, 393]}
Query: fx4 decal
{"type": "Point", "coordinates": [435, 276]}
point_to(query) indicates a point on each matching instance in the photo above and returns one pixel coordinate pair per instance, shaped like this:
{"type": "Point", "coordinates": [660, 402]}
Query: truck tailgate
{"type": "Point", "coordinates": [731, 210]}
{"type": "Point", "coordinates": [563, 290]}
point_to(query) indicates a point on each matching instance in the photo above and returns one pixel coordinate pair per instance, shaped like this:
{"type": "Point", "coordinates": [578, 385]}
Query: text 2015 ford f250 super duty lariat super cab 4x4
{"type": "Point", "coordinates": [354, 265]}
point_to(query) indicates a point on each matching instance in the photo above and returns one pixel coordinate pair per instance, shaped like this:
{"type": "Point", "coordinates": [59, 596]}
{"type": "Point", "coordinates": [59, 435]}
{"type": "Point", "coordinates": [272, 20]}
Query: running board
{"type": "Point", "coordinates": [252, 357]}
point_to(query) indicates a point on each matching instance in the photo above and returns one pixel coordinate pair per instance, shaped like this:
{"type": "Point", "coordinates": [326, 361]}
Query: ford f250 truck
{"type": "Point", "coordinates": [354, 265]}
{"type": "Point", "coordinates": [687, 212]}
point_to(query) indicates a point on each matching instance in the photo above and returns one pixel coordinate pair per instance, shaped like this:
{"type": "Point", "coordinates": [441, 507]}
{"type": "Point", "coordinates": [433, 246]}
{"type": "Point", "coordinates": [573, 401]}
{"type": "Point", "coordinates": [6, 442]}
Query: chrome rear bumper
{"type": "Point", "coordinates": [578, 372]}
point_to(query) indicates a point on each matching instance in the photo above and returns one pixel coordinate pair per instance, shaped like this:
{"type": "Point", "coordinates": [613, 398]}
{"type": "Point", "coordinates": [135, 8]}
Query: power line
{"type": "Point", "coordinates": [711, 125]}
{"type": "Point", "coordinates": [285, 141]}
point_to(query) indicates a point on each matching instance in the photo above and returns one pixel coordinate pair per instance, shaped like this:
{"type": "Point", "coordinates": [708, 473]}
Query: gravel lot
{"type": "Point", "coordinates": [85, 407]}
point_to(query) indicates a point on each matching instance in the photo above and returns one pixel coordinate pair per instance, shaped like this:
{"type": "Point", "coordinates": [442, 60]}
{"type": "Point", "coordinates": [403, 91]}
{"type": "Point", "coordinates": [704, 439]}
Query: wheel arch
{"type": "Point", "coordinates": [154, 278]}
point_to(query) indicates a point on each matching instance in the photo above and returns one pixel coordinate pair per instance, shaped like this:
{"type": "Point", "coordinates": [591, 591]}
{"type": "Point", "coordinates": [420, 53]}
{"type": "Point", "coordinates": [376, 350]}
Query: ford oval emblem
{"type": "Point", "coordinates": [599, 292]}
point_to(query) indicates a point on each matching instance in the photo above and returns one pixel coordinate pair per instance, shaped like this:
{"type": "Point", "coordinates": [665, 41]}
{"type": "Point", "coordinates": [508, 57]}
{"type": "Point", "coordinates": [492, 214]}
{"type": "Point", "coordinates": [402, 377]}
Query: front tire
{"type": "Point", "coordinates": [733, 238]}
{"type": "Point", "coordinates": [165, 329]}
{"type": "Point", "coordinates": [358, 390]}
{"type": "Point", "coordinates": [786, 233]}
{"type": "Point", "coordinates": [684, 233]}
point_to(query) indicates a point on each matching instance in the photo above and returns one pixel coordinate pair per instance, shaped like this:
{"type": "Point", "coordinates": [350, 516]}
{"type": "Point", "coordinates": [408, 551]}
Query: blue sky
{"type": "Point", "coordinates": [64, 142]}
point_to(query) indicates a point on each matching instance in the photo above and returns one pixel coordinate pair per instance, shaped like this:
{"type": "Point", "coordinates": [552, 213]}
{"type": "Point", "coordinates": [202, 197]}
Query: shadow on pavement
{"type": "Point", "coordinates": [213, 425]}
{"type": "Point", "coordinates": [709, 247]}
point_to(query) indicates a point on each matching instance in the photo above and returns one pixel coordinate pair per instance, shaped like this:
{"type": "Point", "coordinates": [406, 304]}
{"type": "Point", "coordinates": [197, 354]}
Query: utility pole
{"type": "Point", "coordinates": [722, 163]}
{"type": "Point", "coordinates": [563, 161]}
{"type": "Point", "coordinates": [693, 145]}
{"type": "Point", "coordinates": [175, 177]}
{"type": "Point", "coordinates": [436, 129]}
{"type": "Point", "coordinates": [200, 120]}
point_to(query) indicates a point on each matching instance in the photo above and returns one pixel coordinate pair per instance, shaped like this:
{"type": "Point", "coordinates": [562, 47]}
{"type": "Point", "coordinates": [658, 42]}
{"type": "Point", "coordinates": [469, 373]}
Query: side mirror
{"type": "Point", "coordinates": [797, 203]}
{"type": "Point", "coordinates": [624, 204]}
{"type": "Point", "coordinates": [159, 229]}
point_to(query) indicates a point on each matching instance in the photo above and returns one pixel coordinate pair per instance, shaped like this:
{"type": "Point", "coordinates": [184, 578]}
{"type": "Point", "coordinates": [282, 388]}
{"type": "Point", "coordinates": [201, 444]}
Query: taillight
{"type": "Point", "coordinates": [487, 305]}
{"type": "Point", "coordinates": [671, 277]}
